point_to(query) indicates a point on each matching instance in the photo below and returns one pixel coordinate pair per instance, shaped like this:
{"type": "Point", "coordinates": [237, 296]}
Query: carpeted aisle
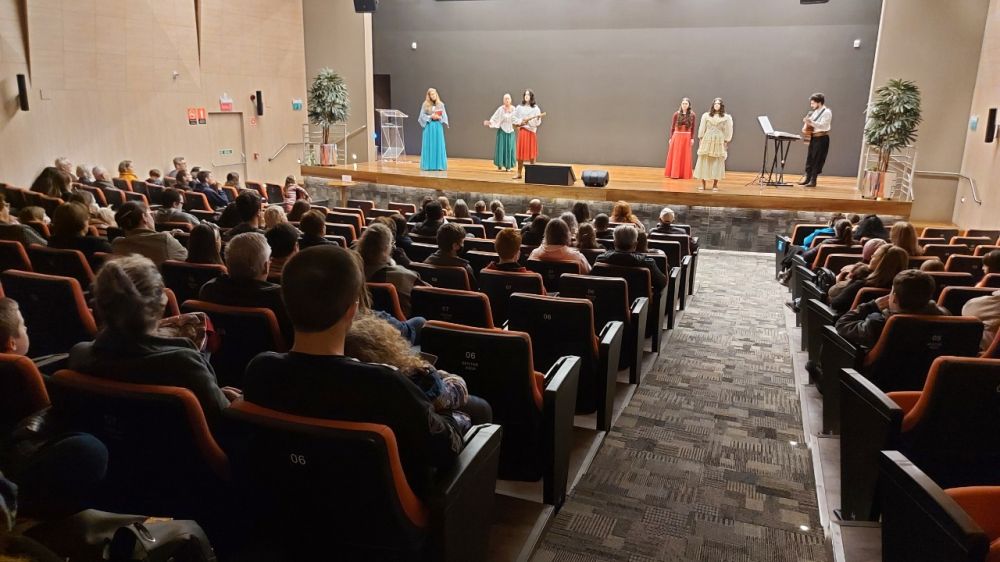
{"type": "Point", "coordinates": [700, 465]}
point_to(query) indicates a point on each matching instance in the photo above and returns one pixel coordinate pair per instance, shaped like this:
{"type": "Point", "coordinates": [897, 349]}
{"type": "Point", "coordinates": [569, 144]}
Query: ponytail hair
{"type": "Point", "coordinates": [128, 295]}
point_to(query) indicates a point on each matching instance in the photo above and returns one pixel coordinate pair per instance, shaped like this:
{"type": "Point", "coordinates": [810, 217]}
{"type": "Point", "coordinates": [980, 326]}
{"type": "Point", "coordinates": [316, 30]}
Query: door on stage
{"type": "Point", "coordinates": [382, 92]}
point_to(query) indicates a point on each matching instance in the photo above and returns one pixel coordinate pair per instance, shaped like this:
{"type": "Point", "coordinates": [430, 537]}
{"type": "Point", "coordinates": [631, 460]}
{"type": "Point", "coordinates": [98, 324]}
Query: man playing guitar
{"type": "Point", "coordinates": [816, 133]}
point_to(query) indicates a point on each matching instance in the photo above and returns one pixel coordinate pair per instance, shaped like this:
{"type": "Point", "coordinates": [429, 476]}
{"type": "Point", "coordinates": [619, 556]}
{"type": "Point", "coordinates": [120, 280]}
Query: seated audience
{"type": "Point", "coordinates": [626, 254]}
{"type": "Point", "coordinates": [480, 206]}
{"type": "Point", "coordinates": [10, 229]}
{"type": "Point", "coordinates": [292, 192]}
{"type": "Point", "coordinates": [299, 209]}
{"type": "Point", "coordinates": [434, 219]}
{"type": "Point", "coordinates": [98, 216]}
{"type": "Point", "coordinates": [179, 164]}
{"type": "Point", "coordinates": [322, 288]}
{"type": "Point", "coordinates": [499, 216]}
{"type": "Point", "coordinates": [556, 247]}
{"type": "Point", "coordinates": [313, 227]}
{"type": "Point", "coordinates": [205, 184]}
{"type": "Point", "coordinates": [248, 211]}
{"type": "Point", "coordinates": [205, 244]}
{"type": "Point", "coordinates": [508, 245]}
{"type": "Point", "coordinates": [586, 237]}
{"type": "Point", "coordinates": [445, 206]}
{"type": "Point", "coordinates": [374, 247]}
{"type": "Point", "coordinates": [570, 220]}
{"type": "Point", "coordinates": [666, 226]}
{"type": "Point", "coordinates": [128, 297]}
{"type": "Point", "coordinates": [172, 209]}
{"type": "Point", "coordinates": [534, 209]}
{"type": "Point", "coordinates": [461, 211]}
{"type": "Point", "coordinates": [248, 258]}
{"type": "Point", "coordinates": [102, 178]}
{"type": "Point", "coordinates": [622, 213]}
{"type": "Point", "coordinates": [991, 262]}
{"type": "Point", "coordinates": [155, 177]}
{"type": "Point", "coordinates": [284, 242]}
{"type": "Point", "coordinates": [842, 236]}
{"type": "Point", "coordinates": [233, 180]}
{"type": "Point", "coordinates": [421, 214]}
{"type": "Point", "coordinates": [867, 253]}
{"type": "Point", "coordinates": [986, 308]}
{"type": "Point", "coordinates": [450, 240]}
{"type": "Point", "coordinates": [70, 226]}
{"type": "Point", "coordinates": [534, 232]}
{"type": "Point", "coordinates": [53, 183]}
{"type": "Point", "coordinates": [602, 226]}
{"type": "Point", "coordinates": [275, 215]}
{"type": "Point", "coordinates": [642, 246]}
{"type": "Point", "coordinates": [373, 340]}
{"type": "Point", "coordinates": [582, 212]}
{"type": "Point", "coordinates": [400, 239]}
{"type": "Point", "coordinates": [932, 265]}
{"type": "Point", "coordinates": [825, 231]}
{"type": "Point", "coordinates": [184, 181]}
{"type": "Point", "coordinates": [32, 213]}
{"type": "Point", "coordinates": [63, 164]}
{"type": "Point", "coordinates": [886, 263]}
{"type": "Point", "coordinates": [871, 226]}
{"type": "Point", "coordinates": [126, 172]}
{"type": "Point", "coordinates": [141, 237]}
{"type": "Point", "coordinates": [903, 234]}
{"type": "Point", "coordinates": [83, 175]}
{"type": "Point", "coordinates": [911, 294]}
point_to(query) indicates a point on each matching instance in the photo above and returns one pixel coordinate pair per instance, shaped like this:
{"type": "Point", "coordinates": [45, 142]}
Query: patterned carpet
{"type": "Point", "coordinates": [700, 466]}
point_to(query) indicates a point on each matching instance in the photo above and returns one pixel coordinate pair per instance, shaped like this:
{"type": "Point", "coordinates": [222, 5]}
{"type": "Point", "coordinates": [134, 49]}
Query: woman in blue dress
{"type": "Point", "coordinates": [433, 118]}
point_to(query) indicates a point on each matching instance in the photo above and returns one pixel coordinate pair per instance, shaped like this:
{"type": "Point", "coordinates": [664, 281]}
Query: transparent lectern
{"type": "Point", "coordinates": [391, 122]}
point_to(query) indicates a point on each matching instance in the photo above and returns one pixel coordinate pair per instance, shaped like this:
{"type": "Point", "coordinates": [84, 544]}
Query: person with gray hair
{"type": "Point", "coordinates": [248, 256]}
{"type": "Point", "coordinates": [624, 255]}
{"type": "Point", "coordinates": [64, 165]}
{"type": "Point", "coordinates": [375, 248]}
{"type": "Point", "coordinates": [179, 164]}
{"type": "Point", "coordinates": [570, 220]}
{"type": "Point", "coordinates": [666, 226]}
{"type": "Point", "coordinates": [83, 175]}
{"type": "Point", "coordinates": [101, 177]}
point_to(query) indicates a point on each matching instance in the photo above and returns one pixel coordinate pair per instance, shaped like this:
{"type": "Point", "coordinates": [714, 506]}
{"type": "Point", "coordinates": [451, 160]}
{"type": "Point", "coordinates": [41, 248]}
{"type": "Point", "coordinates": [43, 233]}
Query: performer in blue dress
{"type": "Point", "coordinates": [433, 118]}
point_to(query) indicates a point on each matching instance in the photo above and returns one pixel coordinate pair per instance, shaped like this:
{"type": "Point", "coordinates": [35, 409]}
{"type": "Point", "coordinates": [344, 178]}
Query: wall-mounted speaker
{"type": "Point", "coordinates": [365, 6]}
{"type": "Point", "coordinates": [22, 92]}
{"type": "Point", "coordinates": [991, 125]}
{"type": "Point", "coordinates": [260, 103]}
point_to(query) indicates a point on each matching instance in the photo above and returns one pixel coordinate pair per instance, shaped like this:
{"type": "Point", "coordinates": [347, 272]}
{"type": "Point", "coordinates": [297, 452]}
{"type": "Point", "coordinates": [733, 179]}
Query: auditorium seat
{"type": "Point", "coordinates": [186, 279]}
{"type": "Point", "coordinates": [592, 253]}
{"type": "Point", "coordinates": [478, 260]}
{"type": "Point", "coordinates": [195, 201]}
{"type": "Point", "coordinates": [818, 240]}
{"type": "Point", "coordinates": [686, 252]}
{"type": "Point", "coordinates": [947, 428]}
{"type": "Point", "coordinates": [40, 227]}
{"type": "Point", "coordinates": [939, 232]}
{"type": "Point", "coordinates": [385, 298]}
{"type": "Point", "coordinates": [316, 485]}
{"type": "Point", "coordinates": [99, 197]}
{"type": "Point", "coordinates": [639, 286]}
{"type": "Point", "coordinates": [273, 193]}
{"type": "Point", "coordinates": [170, 226]}
{"type": "Point", "coordinates": [836, 262]}
{"type": "Point", "coordinates": [17, 197]}
{"type": "Point", "coordinates": [443, 276]}
{"type": "Point", "coordinates": [469, 308]}
{"type": "Point", "coordinates": [965, 264]}
{"type": "Point", "coordinates": [498, 286]}
{"type": "Point", "coordinates": [346, 231]}
{"type": "Point", "coordinates": [920, 521]}
{"type": "Point", "coordinates": [54, 310]}
{"type": "Point", "coordinates": [162, 455]}
{"type": "Point", "coordinates": [479, 245]}
{"type": "Point", "coordinates": [677, 288]}
{"type": "Point", "coordinates": [610, 297]}
{"type": "Point", "coordinates": [154, 193]}
{"type": "Point", "coordinates": [115, 197]}
{"type": "Point", "coordinates": [944, 251]}
{"type": "Point", "coordinates": [66, 263]}
{"type": "Point", "coordinates": [923, 241]}
{"type": "Point", "coordinates": [985, 232]}
{"type": "Point", "coordinates": [243, 332]}
{"type": "Point", "coordinates": [259, 188]}
{"type": "Point", "coordinates": [972, 241]}
{"type": "Point", "coordinates": [172, 308]}
{"type": "Point", "coordinates": [560, 326]}
{"type": "Point", "coordinates": [374, 213]}
{"type": "Point", "coordinates": [944, 279]}
{"type": "Point", "coordinates": [22, 390]}
{"type": "Point", "coordinates": [953, 299]}
{"type": "Point", "coordinates": [403, 208]}
{"type": "Point", "coordinates": [783, 243]}
{"type": "Point", "coordinates": [817, 314]}
{"type": "Point", "coordinates": [365, 205]}
{"type": "Point", "coordinates": [231, 192]}
{"type": "Point", "coordinates": [899, 360]}
{"type": "Point", "coordinates": [535, 410]}
{"type": "Point", "coordinates": [13, 256]}
{"type": "Point", "coordinates": [355, 220]}
{"type": "Point", "coordinates": [121, 184]}
{"type": "Point", "coordinates": [983, 250]}
{"type": "Point", "coordinates": [132, 196]}
{"type": "Point", "coordinates": [419, 251]}
{"type": "Point", "coordinates": [551, 271]}
{"type": "Point", "coordinates": [477, 230]}
{"type": "Point", "coordinates": [914, 262]}
{"type": "Point", "coordinates": [990, 280]}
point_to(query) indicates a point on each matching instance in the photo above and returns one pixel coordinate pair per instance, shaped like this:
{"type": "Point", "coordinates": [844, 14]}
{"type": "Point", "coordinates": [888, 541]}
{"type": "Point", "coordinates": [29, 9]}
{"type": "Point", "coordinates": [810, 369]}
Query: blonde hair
{"type": "Point", "coordinates": [428, 105]}
{"type": "Point", "coordinates": [129, 297]}
{"type": "Point", "coordinates": [374, 340]}
{"type": "Point", "coordinates": [886, 263]}
{"type": "Point", "coordinates": [124, 166]}
{"type": "Point", "coordinates": [904, 235]}
{"type": "Point", "coordinates": [273, 216]}
{"type": "Point", "coordinates": [374, 245]}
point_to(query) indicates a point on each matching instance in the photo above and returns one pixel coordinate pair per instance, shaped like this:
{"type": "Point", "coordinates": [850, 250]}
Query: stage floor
{"type": "Point", "coordinates": [629, 183]}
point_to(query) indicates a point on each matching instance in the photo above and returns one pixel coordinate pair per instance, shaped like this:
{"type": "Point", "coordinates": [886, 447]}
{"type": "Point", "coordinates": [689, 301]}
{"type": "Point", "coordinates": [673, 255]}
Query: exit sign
{"type": "Point", "coordinates": [225, 152]}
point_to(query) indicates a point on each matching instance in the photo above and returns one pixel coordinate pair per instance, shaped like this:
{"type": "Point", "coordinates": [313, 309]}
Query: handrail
{"type": "Point", "coordinates": [282, 149]}
{"type": "Point", "coordinates": [355, 132]}
{"type": "Point", "coordinates": [958, 175]}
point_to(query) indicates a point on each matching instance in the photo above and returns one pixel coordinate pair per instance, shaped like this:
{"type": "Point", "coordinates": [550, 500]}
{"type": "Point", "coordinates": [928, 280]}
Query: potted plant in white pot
{"type": "Point", "coordinates": [328, 105]}
{"type": "Point", "coordinates": [893, 117]}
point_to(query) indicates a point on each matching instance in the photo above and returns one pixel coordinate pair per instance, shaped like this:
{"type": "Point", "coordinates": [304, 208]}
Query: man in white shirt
{"type": "Point", "coordinates": [819, 119]}
{"type": "Point", "coordinates": [987, 308]}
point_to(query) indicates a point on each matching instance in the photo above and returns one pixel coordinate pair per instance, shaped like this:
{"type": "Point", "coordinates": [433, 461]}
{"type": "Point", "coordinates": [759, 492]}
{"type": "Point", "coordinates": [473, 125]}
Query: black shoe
{"type": "Point", "coordinates": [814, 370]}
{"type": "Point", "coordinates": [805, 180]}
{"type": "Point", "coordinates": [811, 183]}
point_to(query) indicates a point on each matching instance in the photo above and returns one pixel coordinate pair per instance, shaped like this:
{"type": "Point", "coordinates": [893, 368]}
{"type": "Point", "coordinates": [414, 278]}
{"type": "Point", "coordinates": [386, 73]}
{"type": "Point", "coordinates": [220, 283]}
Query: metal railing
{"type": "Point", "coordinates": [282, 149]}
{"type": "Point", "coordinates": [959, 177]}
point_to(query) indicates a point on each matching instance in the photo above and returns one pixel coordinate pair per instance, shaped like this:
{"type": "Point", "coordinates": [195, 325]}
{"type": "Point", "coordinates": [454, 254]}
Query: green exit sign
{"type": "Point", "coordinates": [225, 152]}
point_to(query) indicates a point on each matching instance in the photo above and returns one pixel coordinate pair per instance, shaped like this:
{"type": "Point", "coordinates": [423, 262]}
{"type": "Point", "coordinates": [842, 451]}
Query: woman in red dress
{"type": "Point", "coordinates": [681, 140]}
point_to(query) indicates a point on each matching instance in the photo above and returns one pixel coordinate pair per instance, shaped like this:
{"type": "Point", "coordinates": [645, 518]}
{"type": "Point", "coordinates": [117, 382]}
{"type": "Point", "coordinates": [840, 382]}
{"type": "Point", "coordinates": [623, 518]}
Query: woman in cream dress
{"type": "Point", "coordinates": [715, 132]}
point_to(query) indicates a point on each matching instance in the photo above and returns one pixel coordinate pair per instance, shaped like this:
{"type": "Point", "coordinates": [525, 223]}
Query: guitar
{"type": "Point", "coordinates": [525, 122]}
{"type": "Point", "coordinates": [807, 130]}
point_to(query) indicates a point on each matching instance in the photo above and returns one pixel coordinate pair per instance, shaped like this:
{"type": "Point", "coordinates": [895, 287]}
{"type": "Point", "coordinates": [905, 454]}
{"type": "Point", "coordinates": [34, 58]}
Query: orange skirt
{"type": "Point", "coordinates": [679, 156]}
{"type": "Point", "coordinates": [527, 145]}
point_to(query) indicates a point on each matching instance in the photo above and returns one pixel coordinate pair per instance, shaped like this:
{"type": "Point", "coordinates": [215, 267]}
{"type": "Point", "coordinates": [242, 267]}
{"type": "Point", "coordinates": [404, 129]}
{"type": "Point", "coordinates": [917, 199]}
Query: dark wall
{"type": "Point", "coordinates": [611, 72]}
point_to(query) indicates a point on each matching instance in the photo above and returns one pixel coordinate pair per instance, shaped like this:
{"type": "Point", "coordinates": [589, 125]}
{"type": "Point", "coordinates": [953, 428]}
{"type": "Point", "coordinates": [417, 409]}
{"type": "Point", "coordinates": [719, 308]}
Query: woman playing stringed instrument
{"type": "Point", "coordinates": [527, 118]}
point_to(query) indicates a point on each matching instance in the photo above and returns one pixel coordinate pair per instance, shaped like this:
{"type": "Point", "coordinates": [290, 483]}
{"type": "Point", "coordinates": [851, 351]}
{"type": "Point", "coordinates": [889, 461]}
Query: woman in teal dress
{"type": "Point", "coordinates": [433, 118]}
{"type": "Point", "coordinates": [503, 122]}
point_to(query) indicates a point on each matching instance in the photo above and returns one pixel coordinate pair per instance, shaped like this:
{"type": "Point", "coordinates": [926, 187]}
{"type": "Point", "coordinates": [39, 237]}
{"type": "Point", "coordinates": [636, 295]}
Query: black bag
{"type": "Point", "coordinates": [825, 279]}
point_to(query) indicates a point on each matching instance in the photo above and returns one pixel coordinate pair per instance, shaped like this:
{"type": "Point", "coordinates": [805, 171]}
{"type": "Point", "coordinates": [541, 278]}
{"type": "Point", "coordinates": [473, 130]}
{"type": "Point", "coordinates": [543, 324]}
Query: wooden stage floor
{"type": "Point", "coordinates": [629, 183]}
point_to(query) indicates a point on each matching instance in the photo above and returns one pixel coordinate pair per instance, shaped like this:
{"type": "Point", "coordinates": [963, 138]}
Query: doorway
{"type": "Point", "coordinates": [382, 93]}
{"type": "Point", "coordinates": [225, 132]}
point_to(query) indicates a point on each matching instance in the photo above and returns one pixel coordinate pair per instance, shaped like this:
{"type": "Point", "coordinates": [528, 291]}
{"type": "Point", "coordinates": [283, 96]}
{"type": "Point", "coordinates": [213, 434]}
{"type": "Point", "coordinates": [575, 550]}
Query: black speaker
{"type": "Point", "coordinates": [22, 92]}
{"type": "Point", "coordinates": [595, 178]}
{"type": "Point", "coordinates": [991, 123]}
{"type": "Point", "coordinates": [260, 103]}
{"type": "Point", "coordinates": [549, 175]}
{"type": "Point", "coordinates": [365, 6]}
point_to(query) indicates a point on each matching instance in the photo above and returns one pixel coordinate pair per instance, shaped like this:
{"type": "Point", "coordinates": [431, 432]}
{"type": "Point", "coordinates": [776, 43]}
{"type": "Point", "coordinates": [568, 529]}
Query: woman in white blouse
{"type": "Point", "coordinates": [503, 122]}
{"type": "Point", "coordinates": [715, 132]}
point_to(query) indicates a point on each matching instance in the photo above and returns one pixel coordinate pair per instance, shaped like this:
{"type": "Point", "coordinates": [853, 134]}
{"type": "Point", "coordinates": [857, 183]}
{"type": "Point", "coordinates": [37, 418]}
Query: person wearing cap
{"type": "Point", "coordinates": [666, 226]}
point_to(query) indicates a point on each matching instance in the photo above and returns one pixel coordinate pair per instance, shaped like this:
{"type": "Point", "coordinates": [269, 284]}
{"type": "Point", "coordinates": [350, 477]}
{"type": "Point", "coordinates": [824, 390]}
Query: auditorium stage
{"type": "Point", "coordinates": [634, 184]}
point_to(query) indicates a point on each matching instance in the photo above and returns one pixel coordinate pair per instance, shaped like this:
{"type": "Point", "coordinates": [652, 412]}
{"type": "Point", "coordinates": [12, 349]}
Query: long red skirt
{"type": "Point", "coordinates": [527, 145]}
{"type": "Point", "coordinates": [679, 156]}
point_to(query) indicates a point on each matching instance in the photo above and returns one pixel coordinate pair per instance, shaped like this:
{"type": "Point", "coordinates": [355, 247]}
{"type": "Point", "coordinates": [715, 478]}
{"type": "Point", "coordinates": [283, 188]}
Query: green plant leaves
{"type": "Point", "coordinates": [893, 117]}
{"type": "Point", "coordinates": [328, 100]}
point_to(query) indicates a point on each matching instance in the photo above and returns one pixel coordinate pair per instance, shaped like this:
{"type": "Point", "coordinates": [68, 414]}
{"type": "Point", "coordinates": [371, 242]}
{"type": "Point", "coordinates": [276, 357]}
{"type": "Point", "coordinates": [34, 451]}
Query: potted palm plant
{"type": "Point", "coordinates": [893, 117]}
{"type": "Point", "coordinates": [328, 105]}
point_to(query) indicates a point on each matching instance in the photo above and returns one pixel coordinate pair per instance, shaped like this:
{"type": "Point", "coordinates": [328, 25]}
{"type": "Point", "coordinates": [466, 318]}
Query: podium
{"type": "Point", "coordinates": [392, 142]}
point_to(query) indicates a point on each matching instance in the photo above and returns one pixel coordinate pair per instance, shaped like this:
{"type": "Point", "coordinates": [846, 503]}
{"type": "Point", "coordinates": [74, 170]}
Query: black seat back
{"type": "Point", "coordinates": [186, 279]}
{"type": "Point", "coordinates": [551, 271]}
{"type": "Point", "coordinates": [910, 343]}
{"type": "Point", "coordinates": [500, 285]}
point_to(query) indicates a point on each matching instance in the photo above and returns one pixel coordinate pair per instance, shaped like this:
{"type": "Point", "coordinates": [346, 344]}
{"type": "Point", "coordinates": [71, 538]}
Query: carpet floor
{"type": "Point", "coordinates": [706, 462]}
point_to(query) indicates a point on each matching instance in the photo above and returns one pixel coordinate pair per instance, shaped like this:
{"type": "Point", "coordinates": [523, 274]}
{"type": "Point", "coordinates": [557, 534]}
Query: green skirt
{"type": "Point", "coordinates": [503, 153]}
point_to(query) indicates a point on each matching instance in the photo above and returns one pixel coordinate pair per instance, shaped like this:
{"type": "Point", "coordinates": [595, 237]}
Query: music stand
{"type": "Point", "coordinates": [782, 144]}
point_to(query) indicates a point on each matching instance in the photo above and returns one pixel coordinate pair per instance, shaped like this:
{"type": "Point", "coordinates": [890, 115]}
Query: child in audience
{"type": "Point", "coordinates": [375, 249]}
{"type": "Point", "coordinates": [991, 264]}
{"type": "Point", "coordinates": [450, 240]}
{"type": "Point", "coordinates": [292, 192]}
{"type": "Point", "coordinates": [283, 239]}
{"type": "Point", "coordinates": [299, 209]}
{"type": "Point", "coordinates": [586, 237]}
{"type": "Point", "coordinates": [313, 227]}
{"type": "Point", "coordinates": [205, 244]}
{"type": "Point", "coordinates": [601, 226]}
{"type": "Point", "coordinates": [11, 229]}
{"type": "Point", "coordinates": [13, 331]}
{"type": "Point", "coordinates": [155, 177]}
{"type": "Point", "coordinates": [932, 265]}
{"type": "Point", "coordinates": [32, 213]}
{"type": "Point", "coordinates": [508, 246]}
{"type": "Point", "coordinates": [274, 215]}
{"type": "Point", "coordinates": [534, 231]}
{"type": "Point", "coordinates": [911, 294]}
{"type": "Point", "coordinates": [446, 206]}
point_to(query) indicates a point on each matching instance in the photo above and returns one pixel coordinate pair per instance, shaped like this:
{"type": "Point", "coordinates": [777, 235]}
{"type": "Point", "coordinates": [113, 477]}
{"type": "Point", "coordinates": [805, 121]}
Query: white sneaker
{"type": "Point", "coordinates": [701, 188]}
{"type": "Point", "coordinates": [715, 189]}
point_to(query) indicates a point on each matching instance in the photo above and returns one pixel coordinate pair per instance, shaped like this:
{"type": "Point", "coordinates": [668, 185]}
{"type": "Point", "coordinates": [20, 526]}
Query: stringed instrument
{"type": "Point", "coordinates": [525, 122]}
{"type": "Point", "coordinates": [807, 130]}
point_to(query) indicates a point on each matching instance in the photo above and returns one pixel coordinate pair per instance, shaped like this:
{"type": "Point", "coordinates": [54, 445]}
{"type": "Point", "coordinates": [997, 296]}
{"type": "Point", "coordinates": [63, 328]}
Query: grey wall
{"type": "Point", "coordinates": [611, 72]}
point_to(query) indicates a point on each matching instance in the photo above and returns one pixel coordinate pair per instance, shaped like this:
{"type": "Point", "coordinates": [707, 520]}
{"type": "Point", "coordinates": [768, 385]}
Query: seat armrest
{"type": "Point", "coordinates": [837, 354]}
{"type": "Point", "coordinates": [49, 364]}
{"type": "Point", "coordinates": [609, 349]}
{"type": "Point", "coordinates": [815, 316]}
{"type": "Point", "coordinates": [559, 408]}
{"type": "Point", "coordinates": [204, 215]}
{"type": "Point", "coordinates": [639, 314]}
{"type": "Point", "coordinates": [461, 498]}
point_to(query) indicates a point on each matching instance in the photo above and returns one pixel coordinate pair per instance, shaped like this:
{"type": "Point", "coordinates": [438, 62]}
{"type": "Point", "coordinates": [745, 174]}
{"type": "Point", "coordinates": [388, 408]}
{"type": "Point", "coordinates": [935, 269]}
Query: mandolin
{"type": "Point", "coordinates": [525, 122]}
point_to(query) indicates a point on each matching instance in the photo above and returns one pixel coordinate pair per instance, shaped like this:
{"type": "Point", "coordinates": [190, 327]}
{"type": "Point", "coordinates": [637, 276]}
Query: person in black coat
{"type": "Point", "coordinates": [624, 255]}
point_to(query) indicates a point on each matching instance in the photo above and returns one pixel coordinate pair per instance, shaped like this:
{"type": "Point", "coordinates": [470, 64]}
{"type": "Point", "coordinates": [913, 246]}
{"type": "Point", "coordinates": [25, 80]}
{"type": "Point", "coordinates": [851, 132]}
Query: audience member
{"type": "Point", "coordinates": [179, 164]}
{"type": "Point", "coordinates": [292, 192]}
{"type": "Point", "coordinates": [13, 332]}
{"type": "Point", "coordinates": [445, 206]}
{"type": "Point", "coordinates": [205, 244]}
{"type": "Point", "coordinates": [534, 232]}
{"type": "Point", "coordinates": [570, 220]}
{"type": "Point", "coordinates": [911, 294]}
{"type": "Point", "coordinates": [871, 227]}
{"type": "Point", "coordinates": [626, 254]}
{"type": "Point", "coordinates": [322, 288]}
{"type": "Point", "coordinates": [63, 164]}
{"type": "Point", "coordinates": [102, 178]}
{"type": "Point", "coordinates": [499, 216]}
{"type": "Point", "coordinates": [128, 296]}
{"type": "Point", "coordinates": [32, 213]}
{"type": "Point", "coordinates": [171, 209]}
{"type": "Point", "coordinates": [434, 219]}
{"type": "Point", "coordinates": [586, 237]}
{"type": "Point", "coordinates": [99, 216]}
{"type": "Point", "coordinates": [141, 237]}
{"type": "Point", "coordinates": [986, 309]}
{"type": "Point", "coordinates": [932, 265]}
{"type": "Point", "coordinates": [421, 214]}
{"type": "Point", "coordinates": [184, 181]}
{"type": "Point", "coordinates": [375, 247]}
{"type": "Point", "coordinates": [991, 264]}
{"type": "Point", "coordinates": [275, 215]}
{"type": "Point", "coordinates": [450, 240]}
{"type": "Point", "coordinates": [602, 227]}
{"type": "Point", "coordinates": [582, 212]}
{"type": "Point", "coordinates": [886, 263]}
{"type": "Point", "coordinates": [53, 183]}
{"type": "Point", "coordinates": [83, 175]}
{"type": "Point", "coordinates": [248, 210]}
{"type": "Point", "coordinates": [903, 234]}
{"type": "Point", "coordinates": [155, 177]}
{"type": "Point", "coordinates": [10, 229]}
{"type": "Point", "coordinates": [70, 225]}
{"type": "Point", "coordinates": [284, 242]}
{"type": "Point", "coordinates": [206, 185]}
{"type": "Point", "coordinates": [622, 213]}
{"type": "Point", "coordinates": [666, 226]}
{"type": "Point", "coordinates": [842, 237]}
{"type": "Point", "coordinates": [126, 172]}
{"type": "Point", "coordinates": [401, 241]}
{"type": "Point", "coordinates": [534, 210]}
{"type": "Point", "coordinates": [480, 206]}
{"type": "Point", "coordinates": [867, 253]}
{"type": "Point", "coordinates": [299, 209]}
{"type": "Point", "coordinates": [508, 246]}
{"type": "Point", "coordinates": [248, 257]}
{"type": "Point", "coordinates": [642, 245]}
{"type": "Point", "coordinates": [556, 247]}
{"type": "Point", "coordinates": [825, 231]}
{"type": "Point", "coordinates": [461, 211]}
{"type": "Point", "coordinates": [233, 180]}
{"type": "Point", "coordinates": [313, 227]}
